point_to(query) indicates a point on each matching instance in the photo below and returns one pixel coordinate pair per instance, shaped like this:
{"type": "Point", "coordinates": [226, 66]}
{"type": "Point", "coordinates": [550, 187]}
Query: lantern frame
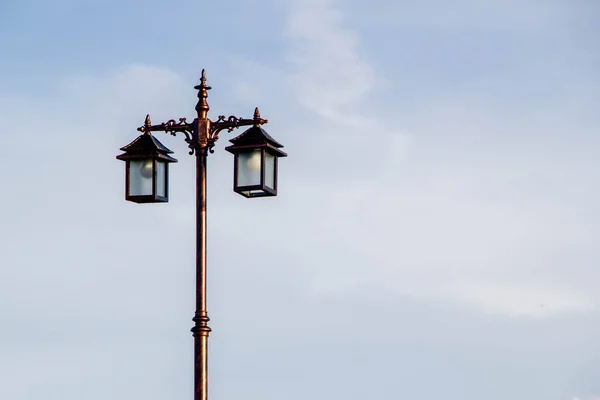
{"type": "Point", "coordinates": [256, 138]}
{"type": "Point", "coordinates": [147, 148]}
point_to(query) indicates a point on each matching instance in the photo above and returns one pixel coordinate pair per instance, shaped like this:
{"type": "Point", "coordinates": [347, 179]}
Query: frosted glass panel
{"type": "Point", "coordinates": [249, 164]}
{"type": "Point", "coordinates": [140, 178]}
{"type": "Point", "coordinates": [270, 171]}
{"type": "Point", "coordinates": [161, 178]}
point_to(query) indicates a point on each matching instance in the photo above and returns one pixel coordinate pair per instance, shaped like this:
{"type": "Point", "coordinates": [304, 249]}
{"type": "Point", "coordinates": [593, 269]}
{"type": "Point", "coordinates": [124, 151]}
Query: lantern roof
{"type": "Point", "coordinates": [255, 136]}
{"type": "Point", "coordinates": [146, 145]}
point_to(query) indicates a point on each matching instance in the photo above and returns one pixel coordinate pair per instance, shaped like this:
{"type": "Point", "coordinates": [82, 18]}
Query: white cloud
{"type": "Point", "coordinates": [525, 17]}
{"type": "Point", "coordinates": [466, 205]}
{"type": "Point", "coordinates": [330, 76]}
{"type": "Point", "coordinates": [397, 216]}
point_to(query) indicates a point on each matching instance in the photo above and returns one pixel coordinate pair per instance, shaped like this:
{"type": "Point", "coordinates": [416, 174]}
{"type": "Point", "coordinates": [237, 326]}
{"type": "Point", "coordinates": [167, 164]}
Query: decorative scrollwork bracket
{"type": "Point", "coordinates": [202, 132]}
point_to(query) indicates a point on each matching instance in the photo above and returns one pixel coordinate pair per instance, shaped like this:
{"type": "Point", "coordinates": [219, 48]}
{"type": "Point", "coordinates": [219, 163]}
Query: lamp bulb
{"type": "Point", "coordinates": [146, 169]}
{"type": "Point", "coordinates": [254, 161]}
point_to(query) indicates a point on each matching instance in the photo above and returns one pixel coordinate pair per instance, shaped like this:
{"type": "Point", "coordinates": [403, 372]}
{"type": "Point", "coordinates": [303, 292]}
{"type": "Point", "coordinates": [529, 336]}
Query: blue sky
{"type": "Point", "coordinates": [435, 230]}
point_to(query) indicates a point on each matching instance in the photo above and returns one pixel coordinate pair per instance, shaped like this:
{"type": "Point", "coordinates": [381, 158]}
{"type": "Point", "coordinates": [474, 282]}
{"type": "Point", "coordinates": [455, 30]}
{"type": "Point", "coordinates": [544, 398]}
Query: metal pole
{"type": "Point", "coordinates": [201, 329]}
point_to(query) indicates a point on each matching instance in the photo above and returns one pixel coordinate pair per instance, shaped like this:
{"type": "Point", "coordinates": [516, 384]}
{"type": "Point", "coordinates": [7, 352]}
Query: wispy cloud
{"type": "Point", "coordinates": [412, 217]}
{"type": "Point", "coordinates": [524, 17]}
{"type": "Point", "coordinates": [445, 209]}
{"type": "Point", "coordinates": [330, 77]}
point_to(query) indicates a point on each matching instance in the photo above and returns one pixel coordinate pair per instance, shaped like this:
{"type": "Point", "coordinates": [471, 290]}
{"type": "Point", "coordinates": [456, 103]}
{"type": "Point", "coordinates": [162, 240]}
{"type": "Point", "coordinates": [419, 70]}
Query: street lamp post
{"type": "Point", "coordinates": [255, 175]}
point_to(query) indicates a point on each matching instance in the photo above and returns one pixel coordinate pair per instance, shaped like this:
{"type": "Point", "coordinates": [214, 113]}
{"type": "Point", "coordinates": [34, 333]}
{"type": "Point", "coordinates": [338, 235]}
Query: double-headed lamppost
{"type": "Point", "coordinates": [147, 181]}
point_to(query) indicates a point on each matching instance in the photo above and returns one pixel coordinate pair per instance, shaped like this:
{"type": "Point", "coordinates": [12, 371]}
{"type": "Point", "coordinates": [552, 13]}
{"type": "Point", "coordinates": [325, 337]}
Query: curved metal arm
{"type": "Point", "coordinates": [232, 122]}
{"type": "Point", "coordinates": [191, 130]}
{"type": "Point", "coordinates": [171, 126]}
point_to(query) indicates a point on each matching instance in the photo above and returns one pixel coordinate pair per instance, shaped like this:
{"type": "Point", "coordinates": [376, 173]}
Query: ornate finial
{"type": "Point", "coordinates": [258, 121]}
{"type": "Point", "coordinates": [202, 106]}
{"type": "Point", "coordinates": [147, 125]}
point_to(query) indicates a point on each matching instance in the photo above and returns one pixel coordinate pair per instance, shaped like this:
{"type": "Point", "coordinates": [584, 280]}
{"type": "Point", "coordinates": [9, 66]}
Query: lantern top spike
{"type": "Point", "coordinates": [147, 125]}
{"type": "Point", "coordinates": [258, 121]}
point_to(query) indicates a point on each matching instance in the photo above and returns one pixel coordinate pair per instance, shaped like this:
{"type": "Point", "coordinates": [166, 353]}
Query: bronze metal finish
{"type": "Point", "coordinates": [201, 328]}
{"type": "Point", "coordinates": [201, 136]}
{"type": "Point", "coordinates": [202, 132]}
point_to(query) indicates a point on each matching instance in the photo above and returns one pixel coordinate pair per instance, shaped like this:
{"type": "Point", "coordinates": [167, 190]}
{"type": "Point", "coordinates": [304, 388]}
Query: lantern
{"type": "Point", "coordinates": [147, 170]}
{"type": "Point", "coordinates": [255, 163]}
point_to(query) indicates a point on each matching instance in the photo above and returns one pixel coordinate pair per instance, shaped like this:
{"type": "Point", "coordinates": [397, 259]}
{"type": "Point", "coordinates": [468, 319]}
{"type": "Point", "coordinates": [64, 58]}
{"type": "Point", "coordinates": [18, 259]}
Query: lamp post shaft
{"type": "Point", "coordinates": [201, 329]}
